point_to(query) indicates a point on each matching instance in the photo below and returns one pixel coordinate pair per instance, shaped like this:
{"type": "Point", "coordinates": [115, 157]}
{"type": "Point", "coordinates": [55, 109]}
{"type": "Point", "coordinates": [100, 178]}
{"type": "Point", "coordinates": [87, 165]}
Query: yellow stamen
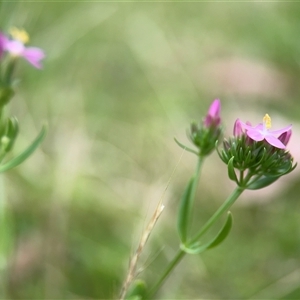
{"type": "Point", "coordinates": [19, 34]}
{"type": "Point", "coordinates": [267, 121]}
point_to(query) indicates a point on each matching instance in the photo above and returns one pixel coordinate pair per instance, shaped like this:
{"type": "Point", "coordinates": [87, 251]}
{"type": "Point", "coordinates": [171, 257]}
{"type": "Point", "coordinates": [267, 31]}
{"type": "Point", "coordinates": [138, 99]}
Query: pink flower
{"type": "Point", "coordinates": [213, 116]}
{"type": "Point", "coordinates": [16, 47]}
{"type": "Point", "coordinates": [277, 138]}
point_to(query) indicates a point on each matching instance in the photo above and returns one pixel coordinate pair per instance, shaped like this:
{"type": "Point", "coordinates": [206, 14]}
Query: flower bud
{"type": "Point", "coordinates": [213, 116]}
{"type": "Point", "coordinates": [237, 128]}
{"type": "Point", "coordinates": [205, 135]}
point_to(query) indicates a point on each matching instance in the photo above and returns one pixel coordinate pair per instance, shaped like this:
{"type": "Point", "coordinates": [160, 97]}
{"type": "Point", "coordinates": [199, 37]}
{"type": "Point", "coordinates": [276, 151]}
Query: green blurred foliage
{"type": "Point", "coordinates": [119, 81]}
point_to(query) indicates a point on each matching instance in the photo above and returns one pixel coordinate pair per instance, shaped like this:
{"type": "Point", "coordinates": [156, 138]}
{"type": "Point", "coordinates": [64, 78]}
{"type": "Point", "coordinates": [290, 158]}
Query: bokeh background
{"type": "Point", "coordinates": [120, 80]}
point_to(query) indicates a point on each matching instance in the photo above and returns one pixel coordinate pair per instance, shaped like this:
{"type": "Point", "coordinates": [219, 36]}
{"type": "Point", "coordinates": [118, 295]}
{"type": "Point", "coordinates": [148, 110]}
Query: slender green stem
{"type": "Point", "coordinates": [9, 71]}
{"type": "Point", "coordinates": [223, 208]}
{"type": "Point", "coordinates": [241, 176]}
{"type": "Point", "coordinates": [196, 179]}
{"type": "Point", "coordinates": [197, 174]}
{"type": "Point", "coordinates": [177, 258]}
{"type": "Point", "coordinates": [6, 239]}
{"type": "Point", "coordinates": [180, 254]}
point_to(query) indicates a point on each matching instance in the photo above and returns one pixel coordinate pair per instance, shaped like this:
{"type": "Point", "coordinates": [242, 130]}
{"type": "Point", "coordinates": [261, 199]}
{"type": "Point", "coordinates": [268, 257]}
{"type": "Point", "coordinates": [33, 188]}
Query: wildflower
{"type": "Point", "coordinates": [253, 163]}
{"type": "Point", "coordinates": [277, 138]}
{"type": "Point", "coordinates": [205, 135]}
{"type": "Point", "coordinates": [213, 116]}
{"type": "Point", "coordinates": [16, 47]}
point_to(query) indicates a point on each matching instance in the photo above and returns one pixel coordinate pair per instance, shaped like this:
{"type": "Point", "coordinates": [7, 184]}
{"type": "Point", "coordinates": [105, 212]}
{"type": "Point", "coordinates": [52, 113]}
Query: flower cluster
{"type": "Point", "coordinates": [258, 153]}
{"type": "Point", "coordinates": [11, 48]}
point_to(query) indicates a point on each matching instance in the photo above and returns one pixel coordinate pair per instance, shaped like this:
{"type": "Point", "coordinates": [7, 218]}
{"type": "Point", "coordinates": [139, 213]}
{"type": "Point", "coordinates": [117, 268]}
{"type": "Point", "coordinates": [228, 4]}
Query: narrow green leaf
{"type": "Point", "coordinates": [231, 172]}
{"type": "Point", "coordinates": [6, 93]}
{"type": "Point", "coordinates": [11, 132]}
{"type": "Point", "coordinates": [185, 147]}
{"type": "Point", "coordinates": [262, 182]}
{"type": "Point", "coordinates": [185, 211]}
{"type": "Point", "coordinates": [223, 233]}
{"type": "Point", "coordinates": [26, 153]}
{"type": "Point", "coordinates": [248, 157]}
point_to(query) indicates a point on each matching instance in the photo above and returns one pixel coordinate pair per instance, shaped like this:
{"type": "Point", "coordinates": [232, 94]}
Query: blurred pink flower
{"type": "Point", "coordinates": [213, 116]}
{"type": "Point", "coordinates": [16, 47]}
{"type": "Point", "coordinates": [2, 43]}
{"type": "Point", "coordinates": [277, 138]}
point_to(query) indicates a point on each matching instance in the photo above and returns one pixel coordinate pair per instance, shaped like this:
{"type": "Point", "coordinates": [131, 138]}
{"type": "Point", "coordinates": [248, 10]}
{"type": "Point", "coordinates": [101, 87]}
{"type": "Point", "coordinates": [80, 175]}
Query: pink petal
{"type": "Point", "coordinates": [3, 37]}
{"type": "Point", "coordinates": [213, 116]}
{"type": "Point", "coordinates": [3, 40]}
{"type": "Point", "coordinates": [255, 135]}
{"type": "Point", "coordinates": [214, 109]}
{"type": "Point", "coordinates": [285, 137]}
{"type": "Point", "coordinates": [34, 56]}
{"type": "Point", "coordinates": [260, 126]}
{"type": "Point", "coordinates": [248, 126]}
{"type": "Point", "coordinates": [14, 47]}
{"type": "Point", "coordinates": [238, 128]}
{"type": "Point", "coordinates": [280, 131]}
{"type": "Point", "coordinates": [272, 140]}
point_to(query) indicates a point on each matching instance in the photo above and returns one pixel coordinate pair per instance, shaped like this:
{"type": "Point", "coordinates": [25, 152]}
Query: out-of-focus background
{"type": "Point", "coordinates": [120, 80]}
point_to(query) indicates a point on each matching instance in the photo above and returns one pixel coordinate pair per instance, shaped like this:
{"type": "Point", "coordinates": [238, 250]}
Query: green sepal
{"type": "Point", "coordinates": [11, 132]}
{"type": "Point", "coordinates": [185, 211]}
{"type": "Point", "coordinates": [293, 168]}
{"type": "Point", "coordinates": [263, 156]}
{"type": "Point", "coordinates": [231, 172]}
{"type": "Point", "coordinates": [262, 182]}
{"type": "Point", "coordinates": [185, 147]}
{"type": "Point", "coordinates": [26, 153]}
{"type": "Point", "coordinates": [12, 127]}
{"type": "Point", "coordinates": [6, 93]}
{"type": "Point", "coordinates": [220, 237]}
{"type": "Point", "coordinates": [138, 291]}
